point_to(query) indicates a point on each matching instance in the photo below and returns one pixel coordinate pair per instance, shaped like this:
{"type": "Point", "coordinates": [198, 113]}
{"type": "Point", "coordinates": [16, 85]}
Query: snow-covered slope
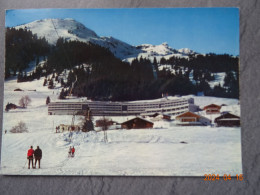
{"type": "Point", "coordinates": [69, 29]}
{"type": "Point", "coordinates": [156, 151]}
{"type": "Point", "coordinates": [158, 51]}
{"type": "Point", "coordinates": [186, 51]}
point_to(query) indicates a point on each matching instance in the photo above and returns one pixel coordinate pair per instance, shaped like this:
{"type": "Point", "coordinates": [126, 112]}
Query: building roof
{"type": "Point", "coordinates": [137, 118]}
{"type": "Point", "coordinates": [188, 114]}
{"type": "Point", "coordinates": [160, 114]}
{"type": "Point", "coordinates": [212, 106]}
{"type": "Point", "coordinates": [227, 116]}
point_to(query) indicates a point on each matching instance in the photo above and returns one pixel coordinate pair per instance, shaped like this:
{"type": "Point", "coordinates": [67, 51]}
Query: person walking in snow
{"type": "Point", "coordinates": [73, 151]}
{"type": "Point", "coordinates": [30, 157]}
{"type": "Point", "coordinates": [38, 156]}
{"type": "Point", "coordinates": [70, 149]}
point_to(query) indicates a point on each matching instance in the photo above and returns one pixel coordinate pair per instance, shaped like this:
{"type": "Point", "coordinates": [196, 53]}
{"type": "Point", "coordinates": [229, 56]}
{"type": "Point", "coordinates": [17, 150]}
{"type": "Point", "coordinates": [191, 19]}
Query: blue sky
{"type": "Point", "coordinates": [201, 29]}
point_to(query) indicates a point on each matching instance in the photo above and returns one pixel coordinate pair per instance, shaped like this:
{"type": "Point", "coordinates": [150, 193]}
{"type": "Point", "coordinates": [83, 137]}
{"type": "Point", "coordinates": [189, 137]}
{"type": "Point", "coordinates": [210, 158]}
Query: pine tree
{"type": "Point", "coordinates": [88, 124]}
{"type": "Point", "coordinates": [48, 100]}
{"type": "Point", "coordinates": [62, 82]}
{"type": "Point", "coordinates": [45, 82]}
{"type": "Point", "coordinates": [37, 60]}
{"type": "Point", "coordinates": [51, 85]}
{"type": "Point", "coordinates": [62, 94]}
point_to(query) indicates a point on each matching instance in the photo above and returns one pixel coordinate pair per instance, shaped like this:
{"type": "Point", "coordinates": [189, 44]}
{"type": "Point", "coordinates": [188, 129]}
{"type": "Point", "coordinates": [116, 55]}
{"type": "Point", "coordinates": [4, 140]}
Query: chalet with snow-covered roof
{"type": "Point", "coordinates": [212, 109]}
{"type": "Point", "coordinates": [137, 123]}
{"type": "Point", "coordinates": [228, 120]}
{"type": "Point", "coordinates": [162, 116]}
{"type": "Point", "coordinates": [191, 119]}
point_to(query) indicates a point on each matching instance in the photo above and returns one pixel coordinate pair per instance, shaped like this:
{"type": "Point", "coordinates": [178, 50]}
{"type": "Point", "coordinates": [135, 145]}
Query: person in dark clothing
{"type": "Point", "coordinates": [30, 157]}
{"type": "Point", "coordinates": [38, 156]}
{"type": "Point", "coordinates": [70, 152]}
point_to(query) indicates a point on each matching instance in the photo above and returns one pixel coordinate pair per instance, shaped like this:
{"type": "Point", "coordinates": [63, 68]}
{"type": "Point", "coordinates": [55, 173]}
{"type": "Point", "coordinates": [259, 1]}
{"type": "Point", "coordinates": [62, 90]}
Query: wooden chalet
{"type": "Point", "coordinates": [228, 120]}
{"type": "Point", "coordinates": [191, 119]}
{"type": "Point", "coordinates": [137, 123]}
{"type": "Point", "coordinates": [212, 109]}
{"type": "Point", "coordinates": [100, 123]}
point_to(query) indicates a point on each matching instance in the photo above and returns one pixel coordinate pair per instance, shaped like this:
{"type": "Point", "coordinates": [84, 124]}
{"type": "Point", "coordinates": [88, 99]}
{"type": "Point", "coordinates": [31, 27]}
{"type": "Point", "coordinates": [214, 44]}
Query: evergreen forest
{"type": "Point", "coordinates": [94, 72]}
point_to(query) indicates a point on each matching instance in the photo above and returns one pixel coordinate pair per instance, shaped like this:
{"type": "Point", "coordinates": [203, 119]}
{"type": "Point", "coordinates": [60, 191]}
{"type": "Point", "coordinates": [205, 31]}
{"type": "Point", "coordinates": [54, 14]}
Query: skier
{"type": "Point", "coordinates": [70, 150]}
{"type": "Point", "coordinates": [73, 151]}
{"type": "Point", "coordinates": [38, 156]}
{"type": "Point", "coordinates": [30, 157]}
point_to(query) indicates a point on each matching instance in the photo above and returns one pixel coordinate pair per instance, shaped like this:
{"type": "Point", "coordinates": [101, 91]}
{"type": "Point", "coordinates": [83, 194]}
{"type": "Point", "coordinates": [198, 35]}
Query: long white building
{"type": "Point", "coordinates": [169, 105]}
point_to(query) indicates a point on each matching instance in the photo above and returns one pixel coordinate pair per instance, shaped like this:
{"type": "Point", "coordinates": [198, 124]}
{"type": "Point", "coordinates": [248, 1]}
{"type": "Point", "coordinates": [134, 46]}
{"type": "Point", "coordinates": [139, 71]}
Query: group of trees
{"type": "Point", "coordinates": [22, 47]}
{"type": "Point", "coordinates": [204, 68]}
{"type": "Point", "coordinates": [210, 62]}
{"type": "Point", "coordinates": [108, 78]}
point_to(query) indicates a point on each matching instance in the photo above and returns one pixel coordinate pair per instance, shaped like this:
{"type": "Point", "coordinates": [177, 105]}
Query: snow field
{"type": "Point", "coordinates": [129, 152]}
{"type": "Point", "coordinates": [157, 151]}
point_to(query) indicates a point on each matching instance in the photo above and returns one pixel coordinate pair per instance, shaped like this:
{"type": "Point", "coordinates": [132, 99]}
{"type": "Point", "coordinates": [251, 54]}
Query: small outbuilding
{"type": "Point", "coordinates": [191, 119]}
{"type": "Point", "coordinates": [62, 128]}
{"type": "Point", "coordinates": [162, 116]}
{"type": "Point", "coordinates": [228, 120]}
{"type": "Point", "coordinates": [212, 109]}
{"type": "Point", "coordinates": [137, 123]}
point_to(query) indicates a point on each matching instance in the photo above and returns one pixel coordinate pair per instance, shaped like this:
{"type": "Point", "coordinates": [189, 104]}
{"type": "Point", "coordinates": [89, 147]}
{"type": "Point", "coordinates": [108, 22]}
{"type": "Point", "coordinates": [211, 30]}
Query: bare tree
{"type": "Point", "coordinates": [25, 101]}
{"type": "Point", "coordinates": [19, 128]}
{"type": "Point", "coordinates": [104, 123]}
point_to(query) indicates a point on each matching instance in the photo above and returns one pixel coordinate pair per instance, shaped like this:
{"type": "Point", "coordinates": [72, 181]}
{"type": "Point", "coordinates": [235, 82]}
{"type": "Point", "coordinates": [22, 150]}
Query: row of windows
{"type": "Point", "coordinates": [100, 106]}
{"type": "Point", "coordinates": [134, 108]}
{"type": "Point", "coordinates": [54, 109]}
{"type": "Point", "coordinates": [96, 113]}
{"type": "Point", "coordinates": [65, 106]}
{"type": "Point", "coordinates": [168, 110]}
{"type": "Point", "coordinates": [169, 102]}
{"type": "Point", "coordinates": [110, 108]}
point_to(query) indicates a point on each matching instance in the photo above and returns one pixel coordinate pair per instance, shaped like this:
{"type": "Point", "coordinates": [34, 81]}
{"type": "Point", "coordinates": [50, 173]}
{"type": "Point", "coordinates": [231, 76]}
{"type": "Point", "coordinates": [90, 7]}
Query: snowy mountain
{"type": "Point", "coordinates": [69, 29]}
{"type": "Point", "coordinates": [186, 51]}
{"type": "Point", "coordinates": [158, 51]}
{"type": "Point", "coordinates": [52, 29]}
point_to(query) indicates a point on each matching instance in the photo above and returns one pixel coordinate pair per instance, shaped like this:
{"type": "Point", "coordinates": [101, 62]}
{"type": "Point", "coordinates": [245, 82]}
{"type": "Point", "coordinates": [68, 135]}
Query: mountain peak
{"type": "Point", "coordinates": [186, 51]}
{"type": "Point", "coordinates": [52, 29]}
{"type": "Point", "coordinates": [165, 44]}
